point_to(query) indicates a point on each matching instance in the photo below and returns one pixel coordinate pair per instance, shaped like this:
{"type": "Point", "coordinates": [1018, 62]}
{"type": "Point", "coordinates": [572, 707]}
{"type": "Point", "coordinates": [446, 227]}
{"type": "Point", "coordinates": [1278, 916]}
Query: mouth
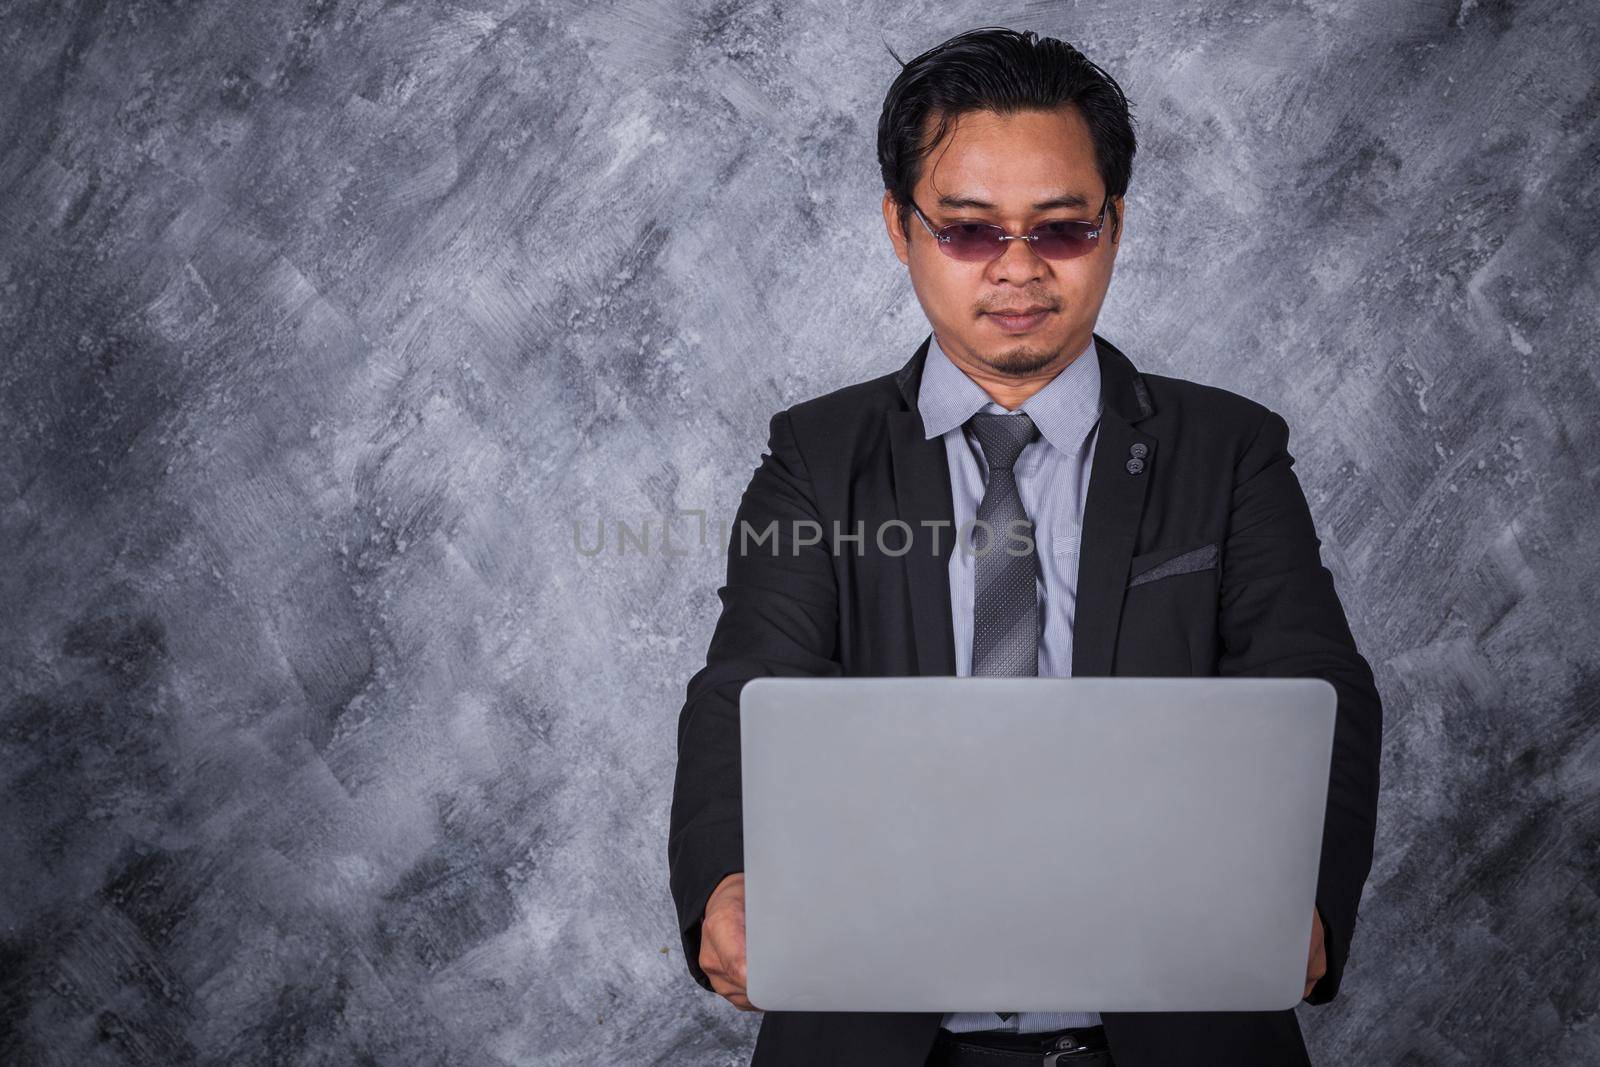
{"type": "Point", "coordinates": [1018, 320]}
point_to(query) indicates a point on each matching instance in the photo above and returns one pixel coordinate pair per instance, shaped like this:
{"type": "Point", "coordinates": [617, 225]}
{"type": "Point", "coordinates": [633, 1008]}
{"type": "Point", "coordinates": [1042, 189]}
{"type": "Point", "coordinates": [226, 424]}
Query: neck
{"type": "Point", "coordinates": [1010, 390]}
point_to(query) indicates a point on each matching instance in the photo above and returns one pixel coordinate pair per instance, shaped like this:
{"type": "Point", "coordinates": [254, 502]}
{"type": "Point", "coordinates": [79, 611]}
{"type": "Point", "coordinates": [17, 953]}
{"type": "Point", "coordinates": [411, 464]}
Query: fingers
{"type": "Point", "coordinates": [725, 967]}
{"type": "Point", "coordinates": [722, 951]}
{"type": "Point", "coordinates": [1314, 971]}
{"type": "Point", "coordinates": [734, 994]}
{"type": "Point", "coordinates": [1313, 976]}
{"type": "Point", "coordinates": [729, 983]}
{"type": "Point", "coordinates": [1317, 964]}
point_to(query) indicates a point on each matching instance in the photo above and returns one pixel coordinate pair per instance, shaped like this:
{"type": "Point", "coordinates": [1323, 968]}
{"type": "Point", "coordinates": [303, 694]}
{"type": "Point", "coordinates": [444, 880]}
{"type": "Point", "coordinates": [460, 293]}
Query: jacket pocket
{"type": "Point", "coordinates": [1166, 562]}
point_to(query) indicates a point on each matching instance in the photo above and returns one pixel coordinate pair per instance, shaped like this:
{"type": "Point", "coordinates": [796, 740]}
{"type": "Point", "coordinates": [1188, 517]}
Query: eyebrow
{"type": "Point", "coordinates": [1070, 200]}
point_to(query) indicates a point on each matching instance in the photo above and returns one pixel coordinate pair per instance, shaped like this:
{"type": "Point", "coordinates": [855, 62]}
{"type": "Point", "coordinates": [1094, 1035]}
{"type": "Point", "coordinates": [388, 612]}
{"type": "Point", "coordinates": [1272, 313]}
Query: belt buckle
{"type": "Point", "coordinates": [1065, 1046]}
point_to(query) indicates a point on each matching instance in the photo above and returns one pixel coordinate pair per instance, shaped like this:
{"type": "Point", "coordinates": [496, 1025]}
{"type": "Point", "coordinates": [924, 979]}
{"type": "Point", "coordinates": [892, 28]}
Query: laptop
{"type": "Point", "coordinates": [936, 844]}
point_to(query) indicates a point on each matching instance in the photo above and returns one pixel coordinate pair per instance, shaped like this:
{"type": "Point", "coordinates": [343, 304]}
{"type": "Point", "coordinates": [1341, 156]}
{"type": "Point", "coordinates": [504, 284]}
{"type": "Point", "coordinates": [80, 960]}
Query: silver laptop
{"type": "Point", "coordinates": [1032, 844]}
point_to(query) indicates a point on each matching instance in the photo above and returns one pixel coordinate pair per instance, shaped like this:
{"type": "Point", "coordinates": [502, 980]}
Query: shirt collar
{"type": "Point", "coordinates": [1065, 410]}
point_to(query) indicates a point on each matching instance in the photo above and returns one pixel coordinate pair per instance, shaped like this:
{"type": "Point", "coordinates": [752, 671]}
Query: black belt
{"type": "Point", "coordinates": [1080, 1047]}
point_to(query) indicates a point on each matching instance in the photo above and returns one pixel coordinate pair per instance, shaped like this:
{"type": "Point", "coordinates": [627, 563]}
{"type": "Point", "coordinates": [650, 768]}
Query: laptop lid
{"type": "Point", "coordinates": [1032, 844]}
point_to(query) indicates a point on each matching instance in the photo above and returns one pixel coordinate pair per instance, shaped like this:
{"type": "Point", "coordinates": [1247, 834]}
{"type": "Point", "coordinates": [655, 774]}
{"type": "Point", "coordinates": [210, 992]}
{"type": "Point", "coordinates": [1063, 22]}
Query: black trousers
{"type": "Point", "coordinates": [1137, 1039]}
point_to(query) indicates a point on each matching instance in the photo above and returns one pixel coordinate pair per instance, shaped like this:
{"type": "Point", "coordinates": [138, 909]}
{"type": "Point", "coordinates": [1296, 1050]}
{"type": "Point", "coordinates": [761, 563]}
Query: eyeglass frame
{"type": "Point", "coordinates": [1006, 235]}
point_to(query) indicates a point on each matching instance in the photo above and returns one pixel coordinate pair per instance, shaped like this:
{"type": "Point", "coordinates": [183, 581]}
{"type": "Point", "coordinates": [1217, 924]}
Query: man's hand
{"type": "Point", "coordinates": [1316, 966]}
{"type": "Point", "coordinates": [722, 941]}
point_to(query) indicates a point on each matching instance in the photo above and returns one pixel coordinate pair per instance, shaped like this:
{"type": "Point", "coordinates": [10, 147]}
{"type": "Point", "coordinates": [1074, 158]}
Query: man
{"type": "Point", "coordinates": [1170, 537]}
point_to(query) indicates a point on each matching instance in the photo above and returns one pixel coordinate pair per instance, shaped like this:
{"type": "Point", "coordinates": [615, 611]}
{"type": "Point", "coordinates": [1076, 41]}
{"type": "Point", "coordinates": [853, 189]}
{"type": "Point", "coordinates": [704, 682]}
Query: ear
{"type": "Point", "coordinates": [891, 222]}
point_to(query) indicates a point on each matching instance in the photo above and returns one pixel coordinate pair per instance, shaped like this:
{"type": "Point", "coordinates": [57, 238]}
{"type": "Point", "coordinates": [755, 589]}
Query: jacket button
{"type": "Point", "coordinates": [1138, 450]}
{"type": "Point", "coordinates": [1135, 465]}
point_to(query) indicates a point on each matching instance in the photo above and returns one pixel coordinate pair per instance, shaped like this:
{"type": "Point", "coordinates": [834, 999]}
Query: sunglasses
{"type": "Point", "coordinates": [979, 242]}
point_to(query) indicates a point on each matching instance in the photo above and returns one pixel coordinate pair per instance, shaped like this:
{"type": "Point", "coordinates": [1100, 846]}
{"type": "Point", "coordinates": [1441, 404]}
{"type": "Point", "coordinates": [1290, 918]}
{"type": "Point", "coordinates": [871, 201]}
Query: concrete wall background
{"type": "Point", "coordinates": [320, 324]}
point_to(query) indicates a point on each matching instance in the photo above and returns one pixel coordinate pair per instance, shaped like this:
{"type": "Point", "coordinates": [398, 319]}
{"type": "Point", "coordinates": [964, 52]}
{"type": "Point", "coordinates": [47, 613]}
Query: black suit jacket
{"type": "Point", "coordinates": [1216, 473]}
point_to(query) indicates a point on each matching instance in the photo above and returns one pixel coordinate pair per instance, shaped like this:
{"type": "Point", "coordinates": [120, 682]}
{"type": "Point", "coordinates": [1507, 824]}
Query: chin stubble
{"type": "Point", "coordinates": [1021, 362]}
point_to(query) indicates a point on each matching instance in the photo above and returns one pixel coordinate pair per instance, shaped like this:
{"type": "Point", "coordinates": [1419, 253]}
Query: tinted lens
{"type": "Point", "coordinates": [977, 241]}
{"type": "Point", "coordinates": [972, 240]}
{"type": "Point", "coordinates": [1064, 240]}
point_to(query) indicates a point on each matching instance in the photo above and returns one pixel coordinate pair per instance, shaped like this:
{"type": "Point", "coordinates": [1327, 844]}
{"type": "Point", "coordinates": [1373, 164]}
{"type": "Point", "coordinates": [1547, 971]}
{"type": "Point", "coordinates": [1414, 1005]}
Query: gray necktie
{"type": "Point", "coordinates": [1005, 606]}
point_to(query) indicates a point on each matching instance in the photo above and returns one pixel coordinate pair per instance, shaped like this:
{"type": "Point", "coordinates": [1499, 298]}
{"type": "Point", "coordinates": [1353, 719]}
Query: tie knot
{"type": "Point", "coordinates": [1003, 437]}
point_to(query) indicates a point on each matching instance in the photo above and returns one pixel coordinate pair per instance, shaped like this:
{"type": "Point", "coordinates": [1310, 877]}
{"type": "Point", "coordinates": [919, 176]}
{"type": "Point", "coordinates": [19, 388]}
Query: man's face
{"type": "Point", "coordinates": [1011, 163]}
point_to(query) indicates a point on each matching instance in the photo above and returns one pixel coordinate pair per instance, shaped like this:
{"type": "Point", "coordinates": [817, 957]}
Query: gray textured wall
{"type": "Point", "coordinates": [322, 323]}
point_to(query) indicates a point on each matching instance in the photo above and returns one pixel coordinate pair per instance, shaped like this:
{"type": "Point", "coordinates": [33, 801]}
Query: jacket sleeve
{"type": "Point", "coordinates": [1280, 617]}
{"type": "Point", "coordinates": [779, 617]}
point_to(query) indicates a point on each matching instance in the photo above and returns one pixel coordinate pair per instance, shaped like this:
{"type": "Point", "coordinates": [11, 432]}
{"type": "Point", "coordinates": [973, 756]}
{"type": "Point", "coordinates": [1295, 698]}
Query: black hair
{"type": "Point", "coordinates": [1004, 71]}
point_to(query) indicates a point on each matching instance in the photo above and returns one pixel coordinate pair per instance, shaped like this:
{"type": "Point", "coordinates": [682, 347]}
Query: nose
{"type": "Point", "coordinates": [1018, 264]}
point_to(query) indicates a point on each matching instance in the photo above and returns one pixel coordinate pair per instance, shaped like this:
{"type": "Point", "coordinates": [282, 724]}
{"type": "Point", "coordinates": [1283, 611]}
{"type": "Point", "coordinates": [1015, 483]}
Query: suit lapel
{"type": "Point", "coordinates": [922, 494]}
{"type": "Point", "coordinates": [1112, 512]}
